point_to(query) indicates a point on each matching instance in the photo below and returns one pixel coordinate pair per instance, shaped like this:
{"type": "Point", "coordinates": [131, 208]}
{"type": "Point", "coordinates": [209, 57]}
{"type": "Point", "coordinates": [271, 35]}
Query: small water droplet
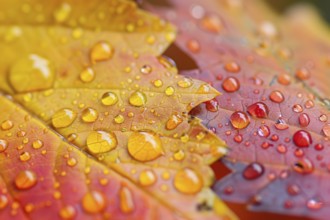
{"type": "Point", "coordinates": [303, 74]}
{"type": "Point", "coordinates": [62, 13]}
{"type": "Point", "coordinates": [263, 131]}
{"type": "Point", "coordinates": [7, 125]}
{"type": "Point", "coordinates": [72, 162]}
{"type": "Point", "coordinates": [239, 120]}
{"type": "Point", "coordinates": [276, 96]}
{"type": "Point", "coordinates": [297, 108]}
{"type": "Point", "coordinates": [193, 46]}
{"type": "Point", "coordinates": [230, 84]}
{"type": "Point", "coordinates": [3, 145]}
{"type": "Point", "coordinates": [89, 115]}
{"type": "Point", "coordinates": [274, 137]}
{"type": "Point", "coordinates": [281, 149]}
{"type": "Point", "coordinates": [258, 109]}
{"type": "Point", "coordinates": [187, 181]}
{"type": "Point", "coordinates": [173, 122]}
{"type": "Point", "coordinates": [253, 171]}
{"type": "Point", "coordinates": [101, 51]}
{"type": "Point", "coordinates": [303, 166]}
{"type": "Point", "coordinates": [158, 83]}
{"type": "Point", "coordinates": [119, 119]}
{"type": "Point", "coordinates": [109, 99]}
{"type": "Point", "coordinates": [138, 99]}
{"type": "Point", "coordinates": [318, 147]}
{"type": "Point", "coordinates": [280, 124]}
{"type": "Point", "coordinates": [94, 202]}
{"type": "Point", "coordinates": [238, 138]}
{"type": "Point", "coordinates": [232, 67]}
{"type": "Point", "coordinates": [63, 118]}
{"type": "Point", "coordinates": [309, 104]}
{"type": "Point", "coordinates": [147, 178]}
{"type": "Point", "coordinates": [302, 138]}
{"type": "Point", "coordinates": [314, 204]}
{"type": "Point", "coordinates": [284, 79]}
{"type": "Point", "coordinates": [326, 130]}
{"type": "Point", "coordinates": [169, 91]}
{"type": "Point", "coordinates": [304, 120]}
{"type": "Point", "coordinates": [37, 144]}
{"type": "Point", "coordinates": [146, 69]}
{"type": "Point", "coordinates": [25, 179]}
{"type": "Point", "coordinates": [67, 212]}
{"type": "Point", "coordinates": [212, 23]}
{"type": "Point", "coordinates": [126, 200]}
{"type": "Point", "coordinates": [101, 142]}
{"type": "Point", "coordinates": [3, 201]}
{"type": "Point", "coordinates": [293, 189]}
{"type": "Point", "coordinates": [185, 83]}
{"type": "Point", "coordinates": [323, 118]}
{"type": "Point", "coordinates": [299, 152]}
{"type": "Point", "coordinates": [212, 105]}
{"type": "Point", "coordinates": [24, 156]}
{"type": "Point", "coordinates": [144, 146]}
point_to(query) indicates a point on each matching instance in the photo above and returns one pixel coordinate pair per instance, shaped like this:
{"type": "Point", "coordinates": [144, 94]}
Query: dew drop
{"type": "Point", "coordinates": [253, 171]}
{"type": "Point", "coordinates": [302, 138]}
{"type": "Point", "coordinates": [62, 13]}
{"type": "Point", "coordinates": [87, 75]}
{"type": "Point", "coordinates": [146, 69]}
{"type": "Point", "coordinates": [187, 181]}
{"type": "Point", "coordinates": [314, 204]}
{"type": "Point", "coordinates": [238, 138]}
{"type": "Point", "coordinates": [179, 155]}
{"type": "Point", "coordinates": [326, 130]}
{"type": "Point", "coordinates": [138, 99]}
{"type": "Point", "coordinates": [101, 142]}
{"type": "Point", "coordinates": [119, 119]}
{"type": "Point", "coordinates": [89, 115]}
{"type": "Point", "coordinates": [299, 152]}
{"type": "Point", "coordinates": [318, 147]}
{"type": "Point", "coordinates": [185, 83]}
{"type": "Point", "coordinates": [36, 72]}
{"type": "Point", "coordinates": [258, 109]}
{"type": "Point", "coordinates": [212, 23]}
{"type": "Point", "coordinates": [72, 162]}
{"type": "Point", "coordinates": [109, 99]}
{"type": "Point", "coordinates": [193, 46]}
{"type": "Point", "coordinates": [169, 91]}
{"type": "Point", "coordinates": [126, 200]}
{"type": "Point", "coordinates": [230, 84]}
{"type": "Point", "coordinates": [263, 131]}
{"type": "Point", "coordinates": [144, 146]}
{"type": "Point", "coordinates": [101, 51]}
{"type": "Point", "coordinates": [274, 137]}
{"type": "Point", "coordinates": [173, 122]}
{"type": "Point", "coordinates": [63, 118]}
{"type": "Point", "coordinates": [323, 118]}
{"type": "Point", "coordinates": [212, 105]}
{"type": "Point", "coordinates": [7, 125]}
{"type": "Point", "coordinates": [297, 108]}
{"type": "Point", "coordinates": [67, 212]}
{"type": "Point", "coordinates": [303, 166]}
{"type": "Point", "coordinates": [303, 74]}
{"type": "Point", "coordinates": [280, 124]}
{"type": "Point", "coordinates": [293, 190]}
{"type": "Point", "coordinates": [94, 202]}
{"type": "Point", "coordinates": [304, 120]}
{"type": "Point", "coordinates": [147, 178]}
{"type": "Point", "coordinates": [309, 104]}
{"type": "Point", "coordinates": [25, 179]}
{"type": "Point", "coordinates": [281, 149]}
{"type": "Point", "coordinates": [3, 145]}
{"type": "Point", "coordinates": [24, 156]}
{"type": "Point", "coordinates": [158, 83]}
{"type": "Point", "coordinates": [3, 201]}
{"type": "Point", "coordinates": [276, 96]}
{"type": "Point", "coordinates": [37, 144]}
{"type": "Point", "coordinates": [284, 79]}
{"type": "Point", "coordinates": [232, 67]}
{"type": "Point", "coordinates": [239, 120]}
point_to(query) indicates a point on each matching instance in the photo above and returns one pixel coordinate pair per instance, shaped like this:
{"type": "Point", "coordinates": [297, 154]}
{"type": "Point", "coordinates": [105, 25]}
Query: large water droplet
{"type": "Point", "coordinates": [144, 146]}
{"type": "Point", "coordinates": [138, 99]}
{"type": "Point", "coordinates": [101, 51]}
{"type": "Point", "coordinates": [258, 109]}
{"type": "Point", "coordinates": [253, 171]}
{"type": "Point", "coordinates": [63, 118]}
{"type": "Point", "coordinates": [239, 120]}
{"type": "Point", "coordinates": [94, 202]}
{"type": "Point", "coordinates": [101, 142]}
{"type": "Point", "coordinates": [188, 181]}
{"type": "Point", "coordinates": [25, 179]}
{"type": "Point", "coordinates": [230, 84]}
{"type": "Point", "coordinates": [31, 73]}
{"type": "Point", "coordinates": [302, 138]}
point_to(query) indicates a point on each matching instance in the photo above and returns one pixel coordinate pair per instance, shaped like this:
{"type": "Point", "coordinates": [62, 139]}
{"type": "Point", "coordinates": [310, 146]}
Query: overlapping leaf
{"type": "Point", "coordinates": [251, 56]}
{"type": "Point", "coordinates": [96, 79]}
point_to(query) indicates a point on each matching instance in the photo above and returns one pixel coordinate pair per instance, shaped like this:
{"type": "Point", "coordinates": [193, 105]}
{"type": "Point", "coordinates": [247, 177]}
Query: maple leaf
{"type": "Point", "coordinates": [274, 109]}
{"type": "Point", "coordinates": [98, 79]}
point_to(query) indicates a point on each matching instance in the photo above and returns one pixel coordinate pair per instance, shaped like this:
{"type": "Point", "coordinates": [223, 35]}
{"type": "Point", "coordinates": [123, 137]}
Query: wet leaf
{"type": "Point", "coordinates": [99, 80]}
{"type": "Point", "coordinates": [273, 112]}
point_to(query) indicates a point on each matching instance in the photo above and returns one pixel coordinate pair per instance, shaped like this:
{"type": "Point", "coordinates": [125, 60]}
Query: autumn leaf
{"type": "Point", "coordinates": [274, 109]}
{"type": "Point", "coordinates": [99, 80]}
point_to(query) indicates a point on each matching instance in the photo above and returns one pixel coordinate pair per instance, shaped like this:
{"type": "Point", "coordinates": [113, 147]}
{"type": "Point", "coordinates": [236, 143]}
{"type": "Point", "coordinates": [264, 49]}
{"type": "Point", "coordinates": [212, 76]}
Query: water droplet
{"type": "Point", "coordinates": [281, 149]}
{"type": "Point", "coordinates": [284, 79]}
{"type": "Point", "coordinates": [197, 11]}
{"type": "Point", "coordinates": [144, 146]}
{"type": "Point", "coordinates": [67, 212]}
{"type": "Point", "coordinates": [36, 72]}
{"type": "Point", "coordinates": [63, 118]}
{"type": "Point", "coordinates": [94, 202]}
{"type": "Point", "coordinates": [87, 75]}
{"type": "Point", "coordinates": [119, 119]}
{"type": "Point", "coordinates": [146, 69]}
{"type": "Point", "coordinates": [25, 179]}
{"type": "Point", "coordinates": [212, 23]}
{"type": "Point", "coordinates": [101, 51]}
{"type": "Point", "coordinates": [212, 105]}
{"type": "Point", "coordinates": [309, 104]}
{"type": "Point", "coordinates": [299, 152]}
{"type": "Point", "coordinates": [302, 138]}
{"type": "Point", "coordinates": [304, 120]}
{"type": "Point", "coordinates": [109, 98]}
{"type": "Point", "coordinates": [185, 83]}
{"type": "Point", "coordinates": [303, 74]}
{"type": "Point", "coordinates": [7, 125]}
{"type": "Point", "coordinates": [297, 108]}
{"type": "Point", "coordinates": [232, 67]}
{"type": "Point", "coordinates": [3, 145]}
{"type": "Point", "coordinates": [62, 13]}
{"type": "Point", "coordinates": [138, 99]}
{"type": "Point", "coordinates": [230, 84]}
{"type": "Point", "coordinates": [314, 204]}
{"type": "Point", "coordinates": [25, 156]}
{"type": "Point", "coordinates": [268, 29]}
{"type": "Point", "coordinates": [147, 178]}
{"type": "Point", "coordinates": [326, 130]}
{"type": "Point", "coordinates": [169, 91]}
{"type": "Point", "coordinates": [274, 137]}
{"type": "Point", "coordinates": [280, 124]}
{"type": "Point", "coordinates": [126, 200]}
{"type": "Point", "coordinates": [3, 201]}
{"type": "Point", "coordinates": [253, 171]}
{"type": "Point", "coordinates": [187, 181]}
{"type": "Point", "coordinates": [303, 166]}
{"type": "Point", "coordinates": [158, 83]}
{"type": "Point", "coordinates": [276, 96]}
{"type": "Point", "coordinates": [323, 118]}
{"type": "Point", "coordinates": [238, 138]}
{"type": "Point", "coordinates": [37, 144]}
{"type": "Point", "coordinates": [318, 147]}
{"type": "Point", "coordinates": [72, 162]}
{"type": "Point", "coordinates": [173, 122]}
{"type": "Point", "coordinates": [101, 142]}
{"type": "Point", "coordinates": [179, 155]}
{"type": "Point", "coordinates": [293, 190]}
{"type": "Point", "coordinates": [193, 46]}
{"type": "Point", "coordinates": [263, 131]}
{"type": "Point", "coordinates": [89, 115]}
{"type": "Point", "coordinates": [258, 109]}
{"type": "Point", "coordinates": [239, 120]}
